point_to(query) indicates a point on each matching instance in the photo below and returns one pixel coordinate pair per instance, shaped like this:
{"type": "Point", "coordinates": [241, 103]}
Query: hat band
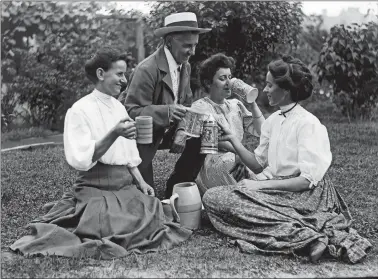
{"type": "Point", "coordinates": [183, 24]}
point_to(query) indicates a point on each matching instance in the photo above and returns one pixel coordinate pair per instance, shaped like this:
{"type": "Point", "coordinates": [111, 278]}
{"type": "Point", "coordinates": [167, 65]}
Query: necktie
{"type": "Point", "coordinates": [183, 81]}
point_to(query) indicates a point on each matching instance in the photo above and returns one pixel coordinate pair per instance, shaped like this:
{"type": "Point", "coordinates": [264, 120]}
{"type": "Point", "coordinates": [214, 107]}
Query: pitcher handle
{"type": "Point", "coordinates": [176, 217]}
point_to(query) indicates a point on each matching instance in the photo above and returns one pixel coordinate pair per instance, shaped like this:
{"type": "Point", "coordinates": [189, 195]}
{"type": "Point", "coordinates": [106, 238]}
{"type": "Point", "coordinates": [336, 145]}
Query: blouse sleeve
{"type": "Point", "coordinates": [131, 153]}
{"type": "Point", "coordinates": [247, 117]}
{"type": "Point", "coordinates": [79, 145]}
{"type": "Point", "coordinates": [314, 152]}
{"type": "Point", "coordinates": [261, 152]}
{"type": "Point", "coordinates": [133, 158]}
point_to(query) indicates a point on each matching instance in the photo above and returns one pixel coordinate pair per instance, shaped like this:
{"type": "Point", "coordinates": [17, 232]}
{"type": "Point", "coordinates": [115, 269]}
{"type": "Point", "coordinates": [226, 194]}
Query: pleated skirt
{"type": "Point", "coordinates": [104, 216]}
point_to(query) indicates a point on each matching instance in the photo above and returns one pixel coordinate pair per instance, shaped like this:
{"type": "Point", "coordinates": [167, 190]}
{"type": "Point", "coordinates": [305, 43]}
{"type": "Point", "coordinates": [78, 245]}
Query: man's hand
{"type": "Point", "coordinates": [176, 112]}
{"type": "Point", "coordinates": [179, 142]}
{"type": "Point", "coordinates": [125, 128]}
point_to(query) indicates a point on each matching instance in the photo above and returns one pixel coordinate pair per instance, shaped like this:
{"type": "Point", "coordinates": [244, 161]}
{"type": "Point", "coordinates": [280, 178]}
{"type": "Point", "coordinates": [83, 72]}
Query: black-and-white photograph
{"type": "Point", "coordinates": [189, 139]}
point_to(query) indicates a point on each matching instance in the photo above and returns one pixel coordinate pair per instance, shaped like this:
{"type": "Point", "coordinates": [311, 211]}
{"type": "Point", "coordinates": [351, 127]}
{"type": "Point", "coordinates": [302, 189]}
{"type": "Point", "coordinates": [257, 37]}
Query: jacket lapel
{"type": "Point", "coordinates": [163, 66]}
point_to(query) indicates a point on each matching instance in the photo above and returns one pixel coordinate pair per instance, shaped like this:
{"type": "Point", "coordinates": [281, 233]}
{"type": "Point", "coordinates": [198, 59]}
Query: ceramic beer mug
{"type": "Point", "coordinates": [144, 126]}
{"type": "Point", "coordinates": [190, 126]}
{"type": "Point", "coordinates": [209, 137]}
{"type": "Point", "coordinates": [192, 122]}
{"type": "Point", "coordinates": [243, 91]}
{"type": "Point", "coordinates": [186, 205]}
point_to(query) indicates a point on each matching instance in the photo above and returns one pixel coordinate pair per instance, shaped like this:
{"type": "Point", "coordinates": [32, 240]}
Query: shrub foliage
{"type": "Point", "coordinates": [44, 47]}
{"type": "Point", "coordinates": [349, 60]}
{"type": "Point", "coordinates": [244, 30]}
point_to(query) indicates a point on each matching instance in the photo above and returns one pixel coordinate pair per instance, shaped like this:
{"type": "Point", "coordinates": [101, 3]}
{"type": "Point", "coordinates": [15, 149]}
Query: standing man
{"type": "Point", "coordinates": [160, 87]}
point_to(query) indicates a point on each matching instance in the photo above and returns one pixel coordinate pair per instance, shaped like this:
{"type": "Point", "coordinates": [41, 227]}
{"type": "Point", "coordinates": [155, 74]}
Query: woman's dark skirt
{"type": "Point", "coordinates": [105, 216]}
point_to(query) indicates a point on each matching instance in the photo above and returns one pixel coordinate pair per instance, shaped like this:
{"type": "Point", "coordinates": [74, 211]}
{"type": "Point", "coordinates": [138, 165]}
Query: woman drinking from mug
{"type": "Point", "coordinates": [111, 211]}
{"type": "Point", "coordinates": [215, 74]}
{"type": "Point", "coordinates": [292, 205]}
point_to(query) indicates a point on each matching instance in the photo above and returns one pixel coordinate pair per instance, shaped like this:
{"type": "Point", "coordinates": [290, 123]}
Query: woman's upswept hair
{"type": "Point", "coordinates": [293, 75]}
{"type": "Point", "coordinates": [211, 65]}
{"type": "Point", "coordinates": [103, 58]}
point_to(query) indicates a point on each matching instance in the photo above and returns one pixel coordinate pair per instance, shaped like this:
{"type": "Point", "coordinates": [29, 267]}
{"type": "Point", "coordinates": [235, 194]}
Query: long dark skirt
{"type": "Point", "coordinates": [273, 221]}
{"type": "Point", "coordinates": [104, 216]}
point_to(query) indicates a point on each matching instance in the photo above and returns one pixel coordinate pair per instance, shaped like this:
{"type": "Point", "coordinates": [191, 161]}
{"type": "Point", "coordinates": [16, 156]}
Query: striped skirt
{"type": "Point", "coordinates": [272, 221]}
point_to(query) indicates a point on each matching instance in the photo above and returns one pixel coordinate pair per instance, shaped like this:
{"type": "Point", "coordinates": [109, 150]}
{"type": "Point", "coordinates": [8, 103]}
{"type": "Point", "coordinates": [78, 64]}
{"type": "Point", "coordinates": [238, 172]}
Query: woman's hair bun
{"type": "Point", "coordinates": [292, 74]}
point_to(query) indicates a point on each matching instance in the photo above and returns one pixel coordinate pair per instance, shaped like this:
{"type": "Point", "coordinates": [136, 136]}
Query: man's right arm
{"type": "Point", "coordinates": [140, 97]}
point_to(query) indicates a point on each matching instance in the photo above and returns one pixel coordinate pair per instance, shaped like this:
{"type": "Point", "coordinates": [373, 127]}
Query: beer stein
{"type": "Point", "coordinates": [243, 91]}
{"type": "Point", "coordinates": [209, 137]}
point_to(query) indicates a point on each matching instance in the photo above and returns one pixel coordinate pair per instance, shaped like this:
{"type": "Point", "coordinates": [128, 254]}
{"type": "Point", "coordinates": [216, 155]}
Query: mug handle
{"type": "Point", "coordinates": [172, 199]}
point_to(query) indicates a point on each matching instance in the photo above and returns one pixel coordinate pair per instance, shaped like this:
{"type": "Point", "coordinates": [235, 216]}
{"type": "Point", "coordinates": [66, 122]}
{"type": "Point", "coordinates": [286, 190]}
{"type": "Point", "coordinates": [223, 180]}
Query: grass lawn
{"type": "Point", "coordinates": [25, 133]}
{"type": "Point", "coordinates": [32, 178]}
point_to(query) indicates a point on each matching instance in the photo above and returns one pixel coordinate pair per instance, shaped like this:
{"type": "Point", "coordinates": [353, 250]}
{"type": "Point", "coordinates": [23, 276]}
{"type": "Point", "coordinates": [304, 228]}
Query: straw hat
{"type": "Point", "coordinates": [180, 22]}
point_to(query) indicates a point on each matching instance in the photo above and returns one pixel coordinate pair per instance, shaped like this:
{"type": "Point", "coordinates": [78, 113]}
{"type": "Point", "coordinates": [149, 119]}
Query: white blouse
{"type": "Point", "coordinates": [292, 145]}
{"type": "Point", "coordinates": [88, 121]}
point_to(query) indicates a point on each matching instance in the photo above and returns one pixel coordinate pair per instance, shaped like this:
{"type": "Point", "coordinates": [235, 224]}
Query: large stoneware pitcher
{"type": "Point", "coordinates": [186, 204]}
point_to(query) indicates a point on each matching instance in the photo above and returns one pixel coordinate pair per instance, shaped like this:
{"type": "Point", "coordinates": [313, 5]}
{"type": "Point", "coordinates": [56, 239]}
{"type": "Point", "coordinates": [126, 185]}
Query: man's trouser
{"type": "Point", "coordinates": [186, 168]}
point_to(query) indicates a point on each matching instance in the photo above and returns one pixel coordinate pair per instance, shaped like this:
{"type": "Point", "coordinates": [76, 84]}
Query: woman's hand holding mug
{"type": "Point", "coordinates": [126, 128]}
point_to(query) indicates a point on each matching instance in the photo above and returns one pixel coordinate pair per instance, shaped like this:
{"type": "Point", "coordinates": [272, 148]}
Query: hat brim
{"type": "Point", "coordinates": [161, 32]}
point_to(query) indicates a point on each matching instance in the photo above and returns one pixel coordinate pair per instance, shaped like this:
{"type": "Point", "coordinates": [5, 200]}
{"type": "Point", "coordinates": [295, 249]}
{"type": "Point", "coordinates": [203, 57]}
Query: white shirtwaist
{"type": "Point", "coordinates": [88, 121]}
{"type": "Point", "coordinates": [295, 144]}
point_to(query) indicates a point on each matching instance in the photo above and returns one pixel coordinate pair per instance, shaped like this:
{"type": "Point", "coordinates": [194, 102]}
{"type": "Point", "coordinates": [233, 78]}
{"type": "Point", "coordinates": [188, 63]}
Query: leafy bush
{"type": "Point", "coordinates": [44, 48]}
{"type": "Point", "coordinates": [310, 40]}
{"type": "Point", "coordinates": [349, 60]}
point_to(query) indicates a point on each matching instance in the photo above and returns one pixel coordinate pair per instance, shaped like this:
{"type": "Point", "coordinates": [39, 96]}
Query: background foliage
{"type": "Point", "coordinates": [244, 30]}
{"type": "Point", "coordinates": [44, 48]}
{"type": "Point", "coordinates": [45, 45]}
{"type": "Point", "coordinates": [349, 60]}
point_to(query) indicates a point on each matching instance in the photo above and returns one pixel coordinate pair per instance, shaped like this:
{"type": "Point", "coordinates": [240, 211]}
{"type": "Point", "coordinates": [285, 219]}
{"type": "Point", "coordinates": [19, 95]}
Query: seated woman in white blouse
{"type": "Point", "coordinates": [292, 205]}
{"type": "Point", "coordinates": [111, 211]}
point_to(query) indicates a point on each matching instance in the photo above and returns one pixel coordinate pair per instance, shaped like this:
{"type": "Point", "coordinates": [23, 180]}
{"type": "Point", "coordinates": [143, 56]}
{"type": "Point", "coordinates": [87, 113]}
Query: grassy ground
{"type": "Point", "coordinates": [23, 133]}
{"type": "Point", "coordinates": [32, 178]}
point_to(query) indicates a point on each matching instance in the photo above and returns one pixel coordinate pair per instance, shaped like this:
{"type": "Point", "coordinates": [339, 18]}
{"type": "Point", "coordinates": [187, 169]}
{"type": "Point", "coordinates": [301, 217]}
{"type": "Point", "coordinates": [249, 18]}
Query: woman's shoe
{"type": "Point", "coordinates": [316, 251]}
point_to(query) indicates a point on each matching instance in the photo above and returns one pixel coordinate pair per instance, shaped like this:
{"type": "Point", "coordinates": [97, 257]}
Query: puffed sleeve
{"type": "Point", "coordinates": [314, 152]}
{"type": "Point", "coordinates": [261, 152]}
{"type": "Point", "coordinates": [78, 143]}
{"type": "Point", "coordinates": [129, 154]}
{"type": "Point", "coordinates": [133, 158]}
